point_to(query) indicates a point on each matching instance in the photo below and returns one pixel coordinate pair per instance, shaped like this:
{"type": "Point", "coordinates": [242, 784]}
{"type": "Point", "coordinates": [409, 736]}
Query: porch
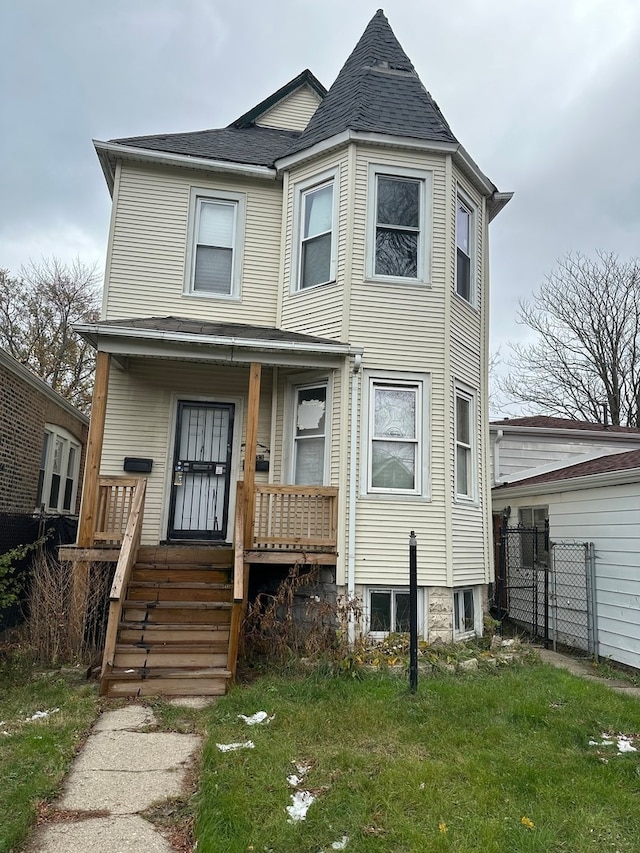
{"type": "Point", "coordinates": [176, 611]}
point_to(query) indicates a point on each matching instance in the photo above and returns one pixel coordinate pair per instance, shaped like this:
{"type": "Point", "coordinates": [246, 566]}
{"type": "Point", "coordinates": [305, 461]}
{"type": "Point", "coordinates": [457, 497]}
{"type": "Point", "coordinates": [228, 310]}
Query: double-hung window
{"type": "Point", "coordinates": [399, 233]}
{"type": "Point", "coordinates": [59, 471]}
{"type": "Point", "coordinates": [213, 266]}
{"type": "Point", "coordinates": [309, 438]}
{"type": "Point", "coordinates": [465, 249]}
{"type": "Point", "coordinates": [316, 236]}
{"type": "Point", "coordinates": [395, 437]}
{"type": "Point", "coordinates": [464, 458]}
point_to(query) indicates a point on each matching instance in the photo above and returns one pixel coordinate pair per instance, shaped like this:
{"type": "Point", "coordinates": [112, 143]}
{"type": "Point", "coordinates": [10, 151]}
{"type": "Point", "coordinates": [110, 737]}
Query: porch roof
{"type": "Point", "coordinates": [190, 339]}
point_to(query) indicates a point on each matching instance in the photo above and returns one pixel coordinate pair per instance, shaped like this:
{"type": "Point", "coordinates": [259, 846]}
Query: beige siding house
{"type": "Point", "coordinates": [298, 303]}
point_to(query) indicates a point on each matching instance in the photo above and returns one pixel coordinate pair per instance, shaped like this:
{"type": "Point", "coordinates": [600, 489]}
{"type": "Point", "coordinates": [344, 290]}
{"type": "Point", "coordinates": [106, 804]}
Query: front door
{"type": "Point", "coordinates": [201, 471]}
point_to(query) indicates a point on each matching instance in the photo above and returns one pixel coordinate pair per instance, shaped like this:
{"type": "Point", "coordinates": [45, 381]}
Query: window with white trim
{"type": "Point", "coordinates": [464, 613]}
{"type": "Point", "coordinates": [309, 435]}
{"type": "Point", "coordinates": [465, 478]}
{"type": "Point", "coordinates": [389, 611]}
{"type": "Point", "coordinates": [215, 243]}
{"type": "Point", "coordinates": [399, 232]}
{"type": "Point", "coordinates": [465, 249]}
{"type": "Point", "coordinates": [395, 437]}
{"type": "Point", "coordinates": [316, 243]}
{"type": "Point", "coordinates": [59, 471]}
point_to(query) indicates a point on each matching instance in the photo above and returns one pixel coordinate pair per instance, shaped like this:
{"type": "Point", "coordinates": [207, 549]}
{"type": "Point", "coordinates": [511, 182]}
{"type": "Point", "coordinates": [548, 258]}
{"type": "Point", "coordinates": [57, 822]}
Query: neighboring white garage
{"type": "Point", "coordinates": [594, 501]}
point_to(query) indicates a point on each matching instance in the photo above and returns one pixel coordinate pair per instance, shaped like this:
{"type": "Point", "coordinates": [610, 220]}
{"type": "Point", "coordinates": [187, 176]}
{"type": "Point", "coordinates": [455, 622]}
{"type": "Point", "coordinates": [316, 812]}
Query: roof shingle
{"type": "Point", "coordinates": [547, 422]}
{"type": "Point", "coordinates": [628, 460]}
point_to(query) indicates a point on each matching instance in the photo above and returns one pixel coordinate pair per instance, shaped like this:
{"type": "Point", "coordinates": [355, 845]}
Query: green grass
{"type": "Point", "coordinates": [475, 752]}
{"type": "Point", "coordinates": [35, 755]}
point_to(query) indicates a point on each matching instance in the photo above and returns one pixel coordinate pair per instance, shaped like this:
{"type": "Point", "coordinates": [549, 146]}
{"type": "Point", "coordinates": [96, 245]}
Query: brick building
{"type": "Point", "coordinates": [42, 444]}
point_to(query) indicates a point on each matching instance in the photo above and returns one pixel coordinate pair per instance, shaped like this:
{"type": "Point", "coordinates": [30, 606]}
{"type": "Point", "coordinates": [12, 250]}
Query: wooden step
{"type": "Point", "coordinates": [181, 633]}
{"type": "Point", "coordinates": [190, 593]}
{"type": "Point", "coordinates": [209, 681]}
{"type": "Point", "coordinates": [209, 555]}
{"type": "Point", "coordinates": [179, 574]}
{"type": "Point", "coordinates": [179, 605]}
{"type": "Point", "coordinates": [170, 612]}
{"type": "Point", "coordinates": [196, 656]}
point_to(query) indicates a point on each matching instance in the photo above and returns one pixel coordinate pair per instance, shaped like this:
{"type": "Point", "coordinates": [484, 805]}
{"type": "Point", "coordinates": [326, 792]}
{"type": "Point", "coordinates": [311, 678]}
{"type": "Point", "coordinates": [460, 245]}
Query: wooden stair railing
{"type": "Point", "coordinates": [126, 561]}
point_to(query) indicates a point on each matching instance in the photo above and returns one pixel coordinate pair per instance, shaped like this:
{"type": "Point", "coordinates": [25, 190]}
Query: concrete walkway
{"type": "Point", "coordinates": [121, 771]}
{"type": "Point", "coordinates": [582, 668]}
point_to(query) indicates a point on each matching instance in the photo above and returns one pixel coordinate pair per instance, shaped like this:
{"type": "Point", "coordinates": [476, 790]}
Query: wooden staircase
{"type": "Point", "coordinates": [178, 625]}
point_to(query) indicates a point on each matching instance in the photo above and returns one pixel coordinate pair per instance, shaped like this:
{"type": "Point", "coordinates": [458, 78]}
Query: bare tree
{"type": "Point", "coordinates": [37, 311]}
{"type": "Point", "coordinates": [587, 354]}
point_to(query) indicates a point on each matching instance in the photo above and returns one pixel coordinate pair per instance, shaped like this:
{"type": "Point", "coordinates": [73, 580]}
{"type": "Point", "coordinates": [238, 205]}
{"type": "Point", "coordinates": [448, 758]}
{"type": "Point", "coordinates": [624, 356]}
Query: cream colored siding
{"type": "Point", "coordinates": [140, 421]}
{"type": "Point", "coordinates": [147, 267]}
{"type": "Point", "coordinates": [293, 112]}
{"type": "Point", "coordinates": [317, 310]}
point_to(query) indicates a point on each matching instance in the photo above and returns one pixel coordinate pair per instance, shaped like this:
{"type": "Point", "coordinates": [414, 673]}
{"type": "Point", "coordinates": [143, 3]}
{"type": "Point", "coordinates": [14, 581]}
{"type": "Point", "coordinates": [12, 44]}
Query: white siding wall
{"type": "Point", "coordinates": [140, 421]}
{"type": "Point", "coordinates": [522, 452]}
{"type": "Point", "coordinates": [610, 518]}
{"type": "Point", "coordinates": [293, 112]}
{"type": "Point", "coordinates": [147, 265]}
{"type": "Point", "coordinates": [468, 347]}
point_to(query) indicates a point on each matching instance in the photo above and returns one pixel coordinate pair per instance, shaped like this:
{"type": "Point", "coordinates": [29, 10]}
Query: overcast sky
{"type": "Point", "coordinates": [543, 94]}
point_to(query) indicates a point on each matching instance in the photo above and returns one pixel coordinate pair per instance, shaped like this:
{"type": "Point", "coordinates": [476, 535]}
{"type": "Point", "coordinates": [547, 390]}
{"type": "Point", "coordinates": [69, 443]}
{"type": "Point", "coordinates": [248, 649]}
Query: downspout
{"type": "Point", "coordinates": [353, 456]}
{"type": "Point", "coordinates": [497, 479]}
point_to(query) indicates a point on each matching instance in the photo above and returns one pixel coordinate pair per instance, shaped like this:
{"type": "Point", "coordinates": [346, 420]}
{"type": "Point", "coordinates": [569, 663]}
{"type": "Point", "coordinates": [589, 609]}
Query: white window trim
{"type": "Point", "coordinates": [197, 193]}
{"type": "Point", "coordinates": [423, 383]}
{"type": "Point", "coordinates": [458, 593]}
{"type": "Point", "coordinates": [292, 397]}
{"type": "Point", "coordinates": [422, 609]}
{"type": "Point", "coordinates": [300, 189]}
{"type": "Point", "coordinates": [470, 395]}
{"type": "Point", "coordinates": [69, 441]}
{"type": "Point", "coordinates": [472, 209]}
{"type": "Point", "coordinates": [424, 237]}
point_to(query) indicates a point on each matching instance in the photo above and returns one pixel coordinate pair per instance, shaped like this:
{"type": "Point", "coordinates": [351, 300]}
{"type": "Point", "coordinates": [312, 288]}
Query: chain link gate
{"type": "Point", "coordinates": [545, 588]}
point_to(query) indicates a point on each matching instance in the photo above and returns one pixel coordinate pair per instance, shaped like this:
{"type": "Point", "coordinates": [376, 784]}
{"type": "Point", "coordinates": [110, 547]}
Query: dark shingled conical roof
{"type": "Point", "coordinates": [377, 91]}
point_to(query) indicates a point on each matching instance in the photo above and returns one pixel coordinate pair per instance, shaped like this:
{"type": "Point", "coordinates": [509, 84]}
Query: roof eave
{"type": "Point", "coordinates": [564, 432]}
{"type": "Point", "coordinates": [568, 484]}
{"type": "Point", "coordinates": [109, 152]}
{"type": "Point", "coordinates": [92, 331]}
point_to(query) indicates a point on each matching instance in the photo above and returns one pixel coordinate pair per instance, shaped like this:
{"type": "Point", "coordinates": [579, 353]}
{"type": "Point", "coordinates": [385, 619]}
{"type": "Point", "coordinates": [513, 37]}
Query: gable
{"type": "Point", "coordinates": [293, 112]}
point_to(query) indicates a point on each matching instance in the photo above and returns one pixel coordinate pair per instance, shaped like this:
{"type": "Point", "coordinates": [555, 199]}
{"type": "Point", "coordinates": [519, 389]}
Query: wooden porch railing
{"type": "Point", "coordinates": [240, 579]}
{"type": "Point", "coordinates": [126, 561]}
{"type": "Point", "coordinates": [295, 517]}
{"type": "Point", "coordinates": [115, 503]}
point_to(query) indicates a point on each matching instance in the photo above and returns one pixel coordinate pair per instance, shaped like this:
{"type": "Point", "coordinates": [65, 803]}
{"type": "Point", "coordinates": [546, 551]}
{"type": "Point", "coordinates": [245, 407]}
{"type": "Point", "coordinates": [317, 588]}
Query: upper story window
{"type": "Point", "coordinates": [395, 444]}
{"type": "Point", "coordinates": [399, 233]}
{"type": "Point", "coordinates": [465, 249]}
{"type": "Point", "coordinates": [59, 471]}
{"type": "Point", "coordinates": [315, 218]}
{"type": "Point", "coordinates": [465, 438]}
{"type": "Point", "coordinates": [215, 243]}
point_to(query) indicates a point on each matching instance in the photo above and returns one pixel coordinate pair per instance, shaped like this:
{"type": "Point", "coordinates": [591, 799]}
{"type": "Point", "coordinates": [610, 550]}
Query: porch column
{"type": "Point", "coordinates": [86, 523]}
{"type": "Point", "coordinates": [250, 446]}
{"type": "Point", "coordinates": [89, 504]}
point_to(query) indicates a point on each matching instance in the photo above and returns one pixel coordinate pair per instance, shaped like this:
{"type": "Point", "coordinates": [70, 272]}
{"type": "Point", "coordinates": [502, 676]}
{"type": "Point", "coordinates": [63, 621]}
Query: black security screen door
{"type": "Point", "coordinates": [201, 471]}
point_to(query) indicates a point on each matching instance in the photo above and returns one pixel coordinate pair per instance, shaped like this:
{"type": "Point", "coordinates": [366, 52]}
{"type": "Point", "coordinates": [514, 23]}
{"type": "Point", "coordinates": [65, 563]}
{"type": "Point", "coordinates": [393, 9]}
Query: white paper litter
{"type": "Point", "coordinates": [255, 719]}
{"type": "Point", "coordinates": [340, 845]}
{"type": "Point", "coordinates": [294, 780]}
{"type": "Point", "coordinates": [40, 715]}
{"type": "Point", "coordinates": [623, 742]}
{"type": "Point", "coordinates": [229, 747]}
{"type": "Point", "coordinates": [299, 807]}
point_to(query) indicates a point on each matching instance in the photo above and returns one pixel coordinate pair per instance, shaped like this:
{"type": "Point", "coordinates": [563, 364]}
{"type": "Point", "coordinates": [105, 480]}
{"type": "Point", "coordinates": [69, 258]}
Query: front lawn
{"type": "Point", "coordinates": [474, 763]}
{"type": "Point", "coordinates": [43, 719]}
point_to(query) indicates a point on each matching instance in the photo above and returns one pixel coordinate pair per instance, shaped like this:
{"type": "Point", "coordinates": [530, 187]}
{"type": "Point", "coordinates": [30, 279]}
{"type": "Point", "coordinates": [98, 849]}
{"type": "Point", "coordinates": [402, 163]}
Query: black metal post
{"type": "Point", "coordinates": [413, 612]}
